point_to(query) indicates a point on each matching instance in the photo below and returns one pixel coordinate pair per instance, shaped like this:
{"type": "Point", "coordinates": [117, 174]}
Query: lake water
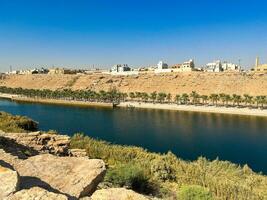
{"type": "Point", "coordinates": [240, 139]}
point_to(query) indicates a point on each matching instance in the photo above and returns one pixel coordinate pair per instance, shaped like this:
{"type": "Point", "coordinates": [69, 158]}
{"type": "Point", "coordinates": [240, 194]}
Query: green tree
{"type": "Point", "coordinates": [204, 99]}
{"type": "Point", "coordinates": [153, 96]}
{"type": "Point", "coordinates": [132, 95]}
{"type": "Point", "coordinates": [194, 95]}
{"type": "Point", "coordinates": [161, 97]}
{"type": "Point", "coordinates": [185, 98]}
{"type": "Point", "coordinates": [177, 99]}
{"type": "Point", "coordinates": [169, 97]}
{"type": "Point", "coordinates": [214, 98]}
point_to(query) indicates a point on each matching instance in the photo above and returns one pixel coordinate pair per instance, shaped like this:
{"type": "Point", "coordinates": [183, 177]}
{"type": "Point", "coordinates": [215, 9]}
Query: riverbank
{"type": "Point", "coordinates": [55, 101]}
{"type": "Point", "coordinates": [132, 105]}
{"type": "Point", "coordinates": [193, 108]}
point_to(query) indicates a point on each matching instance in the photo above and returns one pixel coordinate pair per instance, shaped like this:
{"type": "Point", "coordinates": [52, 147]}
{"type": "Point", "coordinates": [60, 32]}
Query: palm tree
{"type": "Point", "coordinates": [204, 98]}
{"type": "Point", "coordinates": [177, 99]}
{"type": "Point", "coordinates": [185, 98]}
{"type": "Point", "coordinates": [237, 99]}
{"type": "Point", "coordinates": [222, 98]}
{"type": "Point", "coordinates": [214, 98]}
{"type": "Point", "coordinates": [194, 97]}
{"type": "Point", "coordinates": [248, 99]}
{"type": "Point", "coordinates": [132, 96]}
{"type": "Point", "coordinates": [169, 97]}
{"type": "Point", "coordinates": [227, 99]}
{"type": "Point", "coordinates": [144, 96]}
{"type": "Point", "coordinates": [257, 100]}
{"type": "Point", "coordinates": [138, 95]}
{"type": "Point", "coordinates": [161, 97]}
{"type": "Point", "coordinates": [153, 96]}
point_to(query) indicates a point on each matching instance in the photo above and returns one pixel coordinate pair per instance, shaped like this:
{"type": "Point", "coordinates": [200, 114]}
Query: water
{"type": "Point", "coordinates": [240, 139]}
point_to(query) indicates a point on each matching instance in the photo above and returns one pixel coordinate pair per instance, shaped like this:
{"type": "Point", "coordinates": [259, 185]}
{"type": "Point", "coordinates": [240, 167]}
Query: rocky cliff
{"type": "Point", "coordinates": [41, 166]}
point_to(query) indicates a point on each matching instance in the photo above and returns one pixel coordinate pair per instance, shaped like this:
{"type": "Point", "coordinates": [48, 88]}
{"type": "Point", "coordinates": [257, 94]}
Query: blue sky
{"type": "Point", "coordinates": [81, 33]}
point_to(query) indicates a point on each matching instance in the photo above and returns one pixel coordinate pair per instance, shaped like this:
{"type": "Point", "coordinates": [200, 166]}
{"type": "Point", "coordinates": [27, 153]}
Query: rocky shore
{"type": "Point", "coordinates": [39, 166]}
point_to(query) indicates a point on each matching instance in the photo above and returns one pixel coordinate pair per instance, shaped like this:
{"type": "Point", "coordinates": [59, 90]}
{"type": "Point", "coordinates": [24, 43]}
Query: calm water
{"type": "Point", "coordinates": [240, 139]}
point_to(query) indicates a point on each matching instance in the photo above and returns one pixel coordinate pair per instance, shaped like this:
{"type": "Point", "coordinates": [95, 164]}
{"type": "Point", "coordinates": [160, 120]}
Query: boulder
{"type": "Point", "coordinates": [75, 176]}
{"type": "Point", "coordinates": [36, 193]}
{"type": "Point", "coordinates": [9, 182]}
{"type": "Point", "coordinates": [8, 159]}
{"type": "Point", "coordinates": [117, 194]}
{"type": "Point", "coordinates": [41, 142]}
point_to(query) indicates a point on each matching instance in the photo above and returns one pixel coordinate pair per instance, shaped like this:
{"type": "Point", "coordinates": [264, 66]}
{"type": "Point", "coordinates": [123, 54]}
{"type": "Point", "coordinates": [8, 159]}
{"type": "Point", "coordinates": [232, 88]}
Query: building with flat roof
{"type": "Point", "coordinates": [260, 67]}
{"type": "Point", "coordinates": [230, 67]}
{"type": "Point", "coordinates": [187, 66]}
{"type": "Point", "coordinates": [121, 68]}
{"type": "Point", "coordinates": [54, 71]}
{"type": "Point", "coordinates": [215, 66]}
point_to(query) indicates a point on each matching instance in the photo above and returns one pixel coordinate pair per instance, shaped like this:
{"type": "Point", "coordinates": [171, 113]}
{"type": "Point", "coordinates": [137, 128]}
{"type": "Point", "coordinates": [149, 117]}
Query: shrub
{"type": "Point", "coordinates": [130, 176]}
{"type": "Point", "coordinates": [10, 123]}
{"type": "Point", "coordinates": [194, 192]}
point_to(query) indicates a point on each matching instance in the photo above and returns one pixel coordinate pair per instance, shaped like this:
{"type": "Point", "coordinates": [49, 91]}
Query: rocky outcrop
{"type": "Point", "coordinates": [30, 171]}
{"type": "Point", "coordinates": [36, 193]}
{"type": "Point", "coordinates": [76, 177]}
{"type": "Point", "coordinates": [8, 160]}
{"type": "Point", "coordinates": [9, 182]}
{"type": "Point", "coordinates": [117, 194]}
{"type": "Point", "coordinates": [42, 142]}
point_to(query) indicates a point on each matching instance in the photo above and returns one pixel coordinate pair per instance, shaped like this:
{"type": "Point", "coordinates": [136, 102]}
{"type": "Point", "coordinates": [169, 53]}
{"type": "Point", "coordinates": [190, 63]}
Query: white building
{"type": "Point", "coordinates": [215, 66]}
{"type": "Point", "coordinates": [162, 68]}
{"type": "Point", "coordinates": [162, 65]}
{"type": "Point", "coordinates": [122, 69]}
{"type": "Point", "coordinates": [230, 67]}
{"type": "Point", "coordinates": [187, 66]}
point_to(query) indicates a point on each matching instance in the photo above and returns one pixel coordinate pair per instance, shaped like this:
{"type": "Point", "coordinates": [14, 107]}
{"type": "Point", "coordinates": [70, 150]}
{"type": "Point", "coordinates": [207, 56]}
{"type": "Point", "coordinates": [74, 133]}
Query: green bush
{"type": "Point", "coordinates": [130, 176]}
{"type": "Point", "coordinates": [10, 123]}
{"type": "Point", "coordinates": [194, 192]}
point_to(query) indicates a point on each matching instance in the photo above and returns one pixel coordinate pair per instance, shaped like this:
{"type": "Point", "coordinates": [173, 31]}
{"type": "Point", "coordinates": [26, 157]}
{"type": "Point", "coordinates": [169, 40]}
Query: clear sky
{"type": "Point", "coordinates": [80, 33]}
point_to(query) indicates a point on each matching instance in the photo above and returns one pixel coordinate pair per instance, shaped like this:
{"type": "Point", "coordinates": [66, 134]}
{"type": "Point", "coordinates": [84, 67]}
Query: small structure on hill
{"type": "Point", "coordinates": [54, 71]}
{"type": "Point", "coordinates": [162, 67]}
{"type": "Point", "coordinates": [260, 67]}
{"type": "Point", "coordinates": [187, 66]}
{"type": "Point", "coordinates": [215, 66]}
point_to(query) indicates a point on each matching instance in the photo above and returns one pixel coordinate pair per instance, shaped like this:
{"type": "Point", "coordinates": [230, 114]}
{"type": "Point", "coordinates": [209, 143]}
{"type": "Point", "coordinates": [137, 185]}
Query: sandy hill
{"type": "Point", "coordinates": [175, 83]}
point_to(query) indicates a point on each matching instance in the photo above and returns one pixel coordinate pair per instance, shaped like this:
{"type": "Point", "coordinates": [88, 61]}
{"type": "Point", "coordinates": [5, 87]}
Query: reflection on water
{"type": "Point", "coordinates": [240, 139]}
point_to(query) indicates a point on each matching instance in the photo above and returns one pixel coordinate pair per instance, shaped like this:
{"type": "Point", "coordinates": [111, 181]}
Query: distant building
{"type": "Point", "coordinates": [215, 66]}
{"type": "Point", "coordinates": [230, 67]}
{"type": "Point", "coordinates": [54, 71]}
{"type": "Point", "coordinates": [187, 66]}
{"type": "Point", "coordinates": [259, 67]}
{"type": "Point", "coordinates": [162, 68]}
{"type": "Point", "coordinates": [120, 68]}
{"type": "Point", "coordinates": [162, 65]}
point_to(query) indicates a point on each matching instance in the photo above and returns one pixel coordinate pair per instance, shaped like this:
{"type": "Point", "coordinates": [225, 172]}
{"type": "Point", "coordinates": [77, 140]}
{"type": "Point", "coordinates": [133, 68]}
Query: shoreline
{"type": "Point", "coordinates": [201, 109]}
{"type": "Point", "coordinates": [18, 98]}
{"type": "Point", "coordinates": [156, 106]}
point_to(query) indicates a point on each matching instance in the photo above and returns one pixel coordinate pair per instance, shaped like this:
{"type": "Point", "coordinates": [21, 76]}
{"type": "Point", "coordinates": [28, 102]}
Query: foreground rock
{"type": "Point", "coordinates": [36, 193]}
{"type": "Point", "coordinates": [41, 142]}
{"type": "Point", "coordinates": [117, 194]}
{"type": "Point", "coordinates": [9, 182]}
{"type": "Point", "coordinates": [77, 177]}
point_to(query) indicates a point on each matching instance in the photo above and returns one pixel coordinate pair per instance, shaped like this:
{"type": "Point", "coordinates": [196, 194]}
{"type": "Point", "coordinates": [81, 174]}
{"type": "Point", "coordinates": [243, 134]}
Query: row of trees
{"type": "Point", "coordinates": [114, 96]}
{"type": "Point", "coordinates": [196, 99]}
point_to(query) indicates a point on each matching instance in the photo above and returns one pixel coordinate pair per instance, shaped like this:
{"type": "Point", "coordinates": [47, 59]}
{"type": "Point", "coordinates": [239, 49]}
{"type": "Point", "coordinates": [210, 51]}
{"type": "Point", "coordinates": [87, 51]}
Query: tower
{"type": "Point", "coordinates": [257, 61]}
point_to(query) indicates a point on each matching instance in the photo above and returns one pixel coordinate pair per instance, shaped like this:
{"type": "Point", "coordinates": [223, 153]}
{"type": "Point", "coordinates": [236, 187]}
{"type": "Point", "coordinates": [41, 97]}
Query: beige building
{"type": "Point", "coordinates": [260, 67]}
{"type": "Point", "coordinates": [187, 66]}
{"type": "Point", "coordinates": [61, 71]}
